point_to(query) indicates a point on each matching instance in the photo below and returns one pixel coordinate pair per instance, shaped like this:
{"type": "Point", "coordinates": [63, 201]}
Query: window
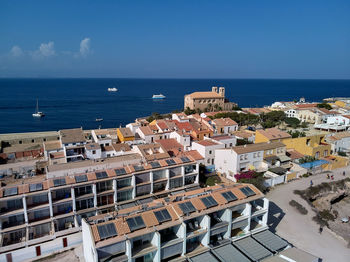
{"type": "Point", "coordinates": [241, 157]}
{"type": "Point", "coordinates": [93, 152]}
{"type": "Point", "coordinates": [210, 152]}
{"type": "Point", "coordinates": [123, 182]}
{"type": "Point", "coordinates": [325, 153]}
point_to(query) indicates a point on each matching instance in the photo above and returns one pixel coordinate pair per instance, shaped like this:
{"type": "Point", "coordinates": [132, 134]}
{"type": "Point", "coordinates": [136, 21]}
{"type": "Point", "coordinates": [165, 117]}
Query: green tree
{"type": "Point", "coordinates": [324, 105]}
{"type": "Point", "coordinates": [292, 122]}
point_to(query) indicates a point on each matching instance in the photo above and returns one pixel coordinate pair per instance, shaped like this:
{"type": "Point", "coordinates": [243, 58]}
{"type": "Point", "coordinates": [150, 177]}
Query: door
{"type": "Point", "coordinates": [38, 251]}
{"type": "Point", "coordinates": [65, 242]}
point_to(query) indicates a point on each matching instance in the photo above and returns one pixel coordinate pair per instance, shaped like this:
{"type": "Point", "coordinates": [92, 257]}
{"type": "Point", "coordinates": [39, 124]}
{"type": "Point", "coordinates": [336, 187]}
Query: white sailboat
{"type": "Point", "coordinates": [37, 112]}
{"type": "Point", "coordinates": [112, 89]}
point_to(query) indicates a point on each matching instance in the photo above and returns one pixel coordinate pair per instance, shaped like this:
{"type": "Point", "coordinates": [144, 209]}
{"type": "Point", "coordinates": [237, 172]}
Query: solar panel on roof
{"type": "Point", "coordinates": [10, 191]}
{"type": "Point", "coordinates": [139, 168]}
{"type": "Point", "coordinates": [187, 207]}
{"type": "Point", "coordinates": [185, 159]}
{"type": "Point", "coordinates": [162, 215]}
{"type": "Point", "coordinates": [35, 187]}
{"type": "Point", "coordinates": [120, 171]}
{"type": "Point", "coordinates": [135, 223]}
{"type": "Point", "coordinates": [101, 175]}
{"type": "Point", "coordinates": [107, 230]}
{"type": "Point", "coordinates": [155, 164]}
{"type": "Point", "coordinates": [59, 182]}
{"type": "Point", "coordinates": [81, 178]}
{"type": "Point", "coordinates": [247, 191]}
{"type": "Point", "coordinates": [170, 162]}
{"type": "Point", "coordinates": [209, 201]}
{"type": "Point", "coordinates": [229, 196]}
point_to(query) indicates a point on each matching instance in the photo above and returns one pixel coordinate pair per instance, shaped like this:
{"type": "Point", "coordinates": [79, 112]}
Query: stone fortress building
{"type": "Point", "coordinates": [214, 99]}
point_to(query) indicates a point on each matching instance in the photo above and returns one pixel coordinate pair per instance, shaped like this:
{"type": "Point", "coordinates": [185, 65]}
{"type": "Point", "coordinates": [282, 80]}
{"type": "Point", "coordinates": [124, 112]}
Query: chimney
{"type": "Point", "coordinates": [214, 89]}
{"type": "Point", "coordinates": [222, 91]}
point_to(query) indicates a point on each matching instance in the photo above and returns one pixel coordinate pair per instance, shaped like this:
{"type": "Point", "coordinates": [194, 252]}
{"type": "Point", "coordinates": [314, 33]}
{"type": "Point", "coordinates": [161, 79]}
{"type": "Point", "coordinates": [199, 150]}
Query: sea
{"type": "Point", "coordinates": [71, 103]}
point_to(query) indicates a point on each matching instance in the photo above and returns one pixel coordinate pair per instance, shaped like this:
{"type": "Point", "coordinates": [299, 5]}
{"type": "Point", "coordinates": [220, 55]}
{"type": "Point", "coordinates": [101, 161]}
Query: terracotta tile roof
{"type": "Point", "coordinates": [150, 219]}
{"type": "Point", "coordinates": [146, 130]}
{"type": "Point", "coordinates": [206, 143]}
{"type": "Point", "coordinates": [256, 147]}
{"type": "Point", "coordinates": [194, 154]}
{"type": "Point", "coordinates": [52, 145]}
{"type": "Point", "coordinates": [273, 133]}
{"type": "Point", "coordinates": [306, 105]}
{"type": "Point", "coordinates": [205, 95]}
{"type": "Point", "coordinates": [162, 125]}
{"type": "Point", "coordinates": [224, 122]}
{"type": "Point", "coordinates": [126, 132]}
{"type": "Point", "coordinates": [74, 135]}
{"type": "Point", "coordinates": [293, 154]}
{"type": "Point", "coordinates": [243, 134]}
{"type": "Point", "coordinates": [184, 126]}
{"type": "Point", "coordinates": [170, 145]}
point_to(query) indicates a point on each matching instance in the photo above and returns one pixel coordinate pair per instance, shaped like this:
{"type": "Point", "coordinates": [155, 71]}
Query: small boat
{"type": "Point", "coordinates": [160, 96]}
{"type": "Point", "coordinates": [37, 112]}
{"type": "Point", "coordinates": [99, 119]}
{"type": "Point", "coordinates": [112, 89]}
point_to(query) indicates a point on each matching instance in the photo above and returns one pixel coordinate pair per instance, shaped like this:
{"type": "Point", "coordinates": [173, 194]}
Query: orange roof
{"type": "Point", "coordinates": [273, 133]}
{"type": "Point", "coordinates": [205, 95]}
{"type": "Point", "coordinates": [207, 143]}
{"type": "Point", "coordinates": [146, 130]}
{"type": "Point", "coordinates": [224, 121]}
{"type": "Point", "coordinates": [306, 105]}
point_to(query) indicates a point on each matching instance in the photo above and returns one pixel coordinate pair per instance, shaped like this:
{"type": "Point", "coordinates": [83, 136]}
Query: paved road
{"type": "Point", "coordinates": [299, 229]}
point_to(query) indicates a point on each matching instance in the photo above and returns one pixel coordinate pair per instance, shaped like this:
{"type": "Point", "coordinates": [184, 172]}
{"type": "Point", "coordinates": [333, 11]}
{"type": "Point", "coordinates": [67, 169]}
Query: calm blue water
{"type": "Point", "coordinates": [70, 103]}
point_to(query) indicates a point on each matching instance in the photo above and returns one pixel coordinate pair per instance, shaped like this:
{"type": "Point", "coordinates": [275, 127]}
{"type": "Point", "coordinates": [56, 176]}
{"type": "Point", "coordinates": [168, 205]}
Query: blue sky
{"type": "Point", "coordinates": [175, 39]}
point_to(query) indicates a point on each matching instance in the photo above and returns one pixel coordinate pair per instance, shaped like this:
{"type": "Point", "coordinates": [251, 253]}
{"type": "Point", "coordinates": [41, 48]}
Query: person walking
{"type": "Point", "coordinates": [311, 183]}
{"type": "Point", "coordinates": [343, 173]}
{"type": "Point", "coordinates": [320, 230]}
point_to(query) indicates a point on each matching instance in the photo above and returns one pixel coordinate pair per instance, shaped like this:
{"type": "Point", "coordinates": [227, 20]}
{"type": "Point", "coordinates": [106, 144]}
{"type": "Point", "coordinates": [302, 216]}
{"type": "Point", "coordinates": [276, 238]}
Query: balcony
{"type": "Point", "coordinates": [11, 205]}
{"type": "Point", "coordinates": [39, 214]}
{"type": "Point", "coordinates": [37, 200]}
{"type": "Point", "coordinates": [143, 249]}
{"type": "Point", "coordinates": [40, 231]}
{"type": "Point", "coordinates": [14, 237]}
{"type": "Point", "coordinates": [12, 221]}
{"type": "Point", "coordinates": [64, 223]}
{"type": "Point", "coordinates": [64, 208]}
{"type": "Point", "coordinates": [60, 194]}
{"type": "Point", "coordinates": [194, 228]}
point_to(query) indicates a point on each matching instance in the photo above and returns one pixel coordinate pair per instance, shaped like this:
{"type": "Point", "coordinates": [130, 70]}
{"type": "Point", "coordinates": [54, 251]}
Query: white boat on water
{"type": "Point", "coordinates": [160, 96]}
{"type": "Point", "coordinates": [99, 119]}
{"type": "Point", "coordinates": [37, 112]}
{"type": "Point", "coordinates": [112, 89]}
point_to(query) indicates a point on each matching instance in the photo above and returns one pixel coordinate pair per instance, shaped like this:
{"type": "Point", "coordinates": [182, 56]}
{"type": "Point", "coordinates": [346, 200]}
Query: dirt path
{"type": "Point", "coordinates": [301, 230]}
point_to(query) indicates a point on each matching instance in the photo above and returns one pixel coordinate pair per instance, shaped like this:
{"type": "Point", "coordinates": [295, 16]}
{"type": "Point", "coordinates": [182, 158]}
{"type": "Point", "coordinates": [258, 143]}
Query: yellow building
{"type": "Point", "coordinates": [125, 134]}
{"type": "Point", "coordinates": [340, 103]}
{"type": "Point", "coordinates": [270, 134]}
{"type": "Point", "coordinates": [314, 145]}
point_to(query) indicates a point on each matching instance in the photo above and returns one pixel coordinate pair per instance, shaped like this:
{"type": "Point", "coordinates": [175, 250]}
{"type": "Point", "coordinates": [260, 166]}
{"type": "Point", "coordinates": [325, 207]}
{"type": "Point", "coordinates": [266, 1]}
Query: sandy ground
{"type": "Point", "coordinates": [73, 255]}
{"type": "Point", "coordinates": [301, 230]}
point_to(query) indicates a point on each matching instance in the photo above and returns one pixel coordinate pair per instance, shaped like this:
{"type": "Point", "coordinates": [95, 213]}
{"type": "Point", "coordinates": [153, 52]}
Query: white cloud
{"type": "Point", "coordinates": [84, 47]}
{"type": "Point", "coordinates": [45, 50]}
{"type": "Point", "coordinates": [16, 51]}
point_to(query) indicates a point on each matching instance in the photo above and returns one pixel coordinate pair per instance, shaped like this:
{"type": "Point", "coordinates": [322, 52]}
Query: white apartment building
{"type": "Point", "coordinates": [210, 224]}
{"type": "Point", "coordinates": [207, 149]}
{"type": "Point", "coordinates": [44, 215]}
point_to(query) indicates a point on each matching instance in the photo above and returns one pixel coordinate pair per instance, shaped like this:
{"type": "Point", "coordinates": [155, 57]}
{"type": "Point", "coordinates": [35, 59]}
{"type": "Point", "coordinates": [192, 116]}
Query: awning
{"type": "Point", "coordinates": [271, 241]}
{"type": "Point", "coordinates": [285, 158]}
{"type": "Point", "coordinates": [278, 170]}
{"type": "Point", "coordinates": [252, 249]}
{"type": "Point", "coordinates": [271, 159]}
{"type": "Point", "coordinates": [298, 255]}
{"type": "Point", "coordinates": [229, 253]}
{"type": "Point", "coordinates": [207, 257]}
